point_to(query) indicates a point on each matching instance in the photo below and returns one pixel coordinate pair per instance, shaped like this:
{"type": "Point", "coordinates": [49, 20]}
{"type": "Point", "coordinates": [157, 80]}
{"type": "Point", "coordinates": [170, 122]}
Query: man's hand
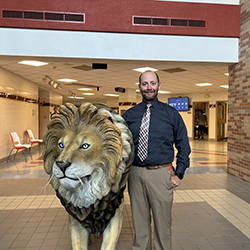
{"type": "Point", "coordinates": [175, 181]}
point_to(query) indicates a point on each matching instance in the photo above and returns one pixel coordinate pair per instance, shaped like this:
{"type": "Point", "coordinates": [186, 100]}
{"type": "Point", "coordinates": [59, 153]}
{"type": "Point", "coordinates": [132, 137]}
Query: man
{"type": "Point", "coordinates": [202, 121]}
{"type": "Point", "coordinates": [56, 111]}
{"type": "Point", "coordinates": [152, 177]}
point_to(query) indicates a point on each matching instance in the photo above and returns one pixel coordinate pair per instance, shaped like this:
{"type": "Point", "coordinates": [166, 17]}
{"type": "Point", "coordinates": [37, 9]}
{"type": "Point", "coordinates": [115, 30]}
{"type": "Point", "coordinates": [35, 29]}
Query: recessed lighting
{"type": "Point", "coordinates": [203, 84]}
{"type": "Point", "coordinates": [9, 88]}
{"type": "Point", "coordinates": [84, 89]}
{"type": "Point", "coordinates": [79, 97]}
{"type": "Point", "coordinates": [145, 69]}
{"type": "Point", "coordinates": [224, 86]}
{"type": "Point", "coordinates": [33, 63]}
{"type": "Point", "coordinates": [163, 92]}
{"type": "Point", "coordinates": [114, 95]}
{"type": "Point", "coordinates": [88, 94]}
{"type": "Point", "coordinates": [226, 74]}
{"type": "Point", "coordinates": [66, 80]}
{"type": "Point", "coordinates": [55, 85]}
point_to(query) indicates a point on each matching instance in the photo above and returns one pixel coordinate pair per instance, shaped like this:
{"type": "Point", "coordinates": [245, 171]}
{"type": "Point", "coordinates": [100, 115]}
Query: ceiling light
{"type": "Point", "coordinates": [51, 82]}
{"type": "Point", "coordinates": [145, 69]}
{"type": "Point", "coordinates": [79, 97]}
{"type": "Point", "coordinates": [224, 86]}
{"type": "Point", "coordinates": [33, 63]}
{"type": "Point", "coordinates": [203, 84]}
{"type": "Point", "coordinates": [163, 92]}
{"type": "Point", "coordinates": [226, 74]}
{"type": "Point", "coordinates": [55, 85]}
{"type": "Point", "coordinates": [114, 95]}
{"type": "Point", "coordinates": [66, 80]}
{"type": "Point", "coordinates": [88, 94]}
{"type": "Point", "coordinates": [72, 97]}
{"type": "Point", "coordinates": [137, 83]}
{"type": "Point", "coordinates": [84, 89]}
{"type": "Point", "coordinates": [9, 88]}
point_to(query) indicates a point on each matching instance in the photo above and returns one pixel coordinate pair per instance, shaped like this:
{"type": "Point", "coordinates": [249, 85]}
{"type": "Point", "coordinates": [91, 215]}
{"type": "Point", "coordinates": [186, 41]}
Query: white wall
{"type": "Point", "coordinates": [32, 42]}
{"type": "Point", "coordinates": [16, 115]}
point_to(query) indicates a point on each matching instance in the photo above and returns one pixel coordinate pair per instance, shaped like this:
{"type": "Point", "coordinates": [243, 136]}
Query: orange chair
{"type": "Point", "coordinates": [16, 144]}
{"type": "Point", "coordinates": [32, 139]}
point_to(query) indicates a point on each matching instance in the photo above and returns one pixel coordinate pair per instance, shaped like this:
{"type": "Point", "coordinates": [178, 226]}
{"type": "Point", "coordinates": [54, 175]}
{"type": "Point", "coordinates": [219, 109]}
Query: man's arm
{"type": "Point", "coordinates": [183, 148]}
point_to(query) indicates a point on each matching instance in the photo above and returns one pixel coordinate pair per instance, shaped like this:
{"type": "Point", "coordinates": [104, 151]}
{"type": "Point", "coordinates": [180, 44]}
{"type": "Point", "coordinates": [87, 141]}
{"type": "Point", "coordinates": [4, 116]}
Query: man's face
{"type": "Point", "coordinates": [149, 86]}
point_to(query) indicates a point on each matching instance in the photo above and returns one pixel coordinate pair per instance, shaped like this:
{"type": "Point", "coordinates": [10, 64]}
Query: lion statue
{"type": "Point", "coordinates": [88, 152]}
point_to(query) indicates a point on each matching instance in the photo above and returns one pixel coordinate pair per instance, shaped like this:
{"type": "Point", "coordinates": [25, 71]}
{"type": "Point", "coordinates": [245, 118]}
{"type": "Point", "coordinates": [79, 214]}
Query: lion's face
{"type": "Point", "coordinates": [86, 154]}
{"type": "Point", "coordinates": [78, 154]}
{"type": "Point", "coordinates": [76, 166]}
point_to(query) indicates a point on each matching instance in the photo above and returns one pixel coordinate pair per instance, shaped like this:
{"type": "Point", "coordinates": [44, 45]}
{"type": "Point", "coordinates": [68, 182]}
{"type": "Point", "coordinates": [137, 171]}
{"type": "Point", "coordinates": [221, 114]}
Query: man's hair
{"type": "Point", "coordinates": [158, 79]}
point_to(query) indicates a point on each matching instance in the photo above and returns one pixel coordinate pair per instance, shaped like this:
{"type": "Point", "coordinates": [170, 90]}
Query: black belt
{"type": "Point", "coordinates": [156, 166]}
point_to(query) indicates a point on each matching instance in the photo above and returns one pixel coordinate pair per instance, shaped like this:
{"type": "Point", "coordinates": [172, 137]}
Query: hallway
{"type": "Point", "coordinates": [211, 208]}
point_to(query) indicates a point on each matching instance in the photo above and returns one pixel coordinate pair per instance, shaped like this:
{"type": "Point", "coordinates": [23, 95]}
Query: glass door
{"type": "Point", "coordinates": [200, 120]}
{"type": "Point", "coordinates": [221, 120]}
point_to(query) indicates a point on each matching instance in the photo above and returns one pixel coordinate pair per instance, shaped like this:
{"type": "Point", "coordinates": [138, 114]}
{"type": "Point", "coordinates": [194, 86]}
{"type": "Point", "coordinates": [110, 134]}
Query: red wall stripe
{"type": "Point", "coordinates": [116, 16]}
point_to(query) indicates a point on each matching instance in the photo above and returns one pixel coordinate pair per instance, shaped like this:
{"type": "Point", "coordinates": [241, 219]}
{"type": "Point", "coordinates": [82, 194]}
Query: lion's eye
{"type": "Point", "coordinates": [61, 145]}
{"type": "Point", "coordinates": [85, 146]}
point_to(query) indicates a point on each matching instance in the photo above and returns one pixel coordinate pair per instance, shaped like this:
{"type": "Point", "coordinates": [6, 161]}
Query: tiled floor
{"type": "Point", "coordinates": [211, 208]}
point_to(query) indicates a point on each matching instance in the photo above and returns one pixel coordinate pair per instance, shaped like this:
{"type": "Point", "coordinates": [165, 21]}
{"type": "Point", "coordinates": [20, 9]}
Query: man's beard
{"type": "Point", "coordinates": [151, 97]}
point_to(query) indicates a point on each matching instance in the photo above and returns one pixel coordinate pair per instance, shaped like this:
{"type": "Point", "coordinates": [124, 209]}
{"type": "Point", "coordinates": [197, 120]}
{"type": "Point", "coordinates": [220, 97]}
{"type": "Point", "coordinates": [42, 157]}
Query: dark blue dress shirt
{"type": "Point", "coordinates": [166, 130]}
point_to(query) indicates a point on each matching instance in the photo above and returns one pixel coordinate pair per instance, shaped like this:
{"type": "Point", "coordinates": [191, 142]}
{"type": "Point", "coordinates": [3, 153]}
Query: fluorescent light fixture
{"type": "Point", "coordinates": [9, 88]}
{"type": "Point", "coordinates": [163, 92]}
{"type": "Point", "coordinates": [79, 97]}
{"type": "Point", "coordinates": [226, 74]}
{"type": "Point", "coordinates": [145, 69]}
{"type": "Point", "coordinates": [137, 83]}
{"type": "Point", "coordinates": [137, 91]}
{"type": "Point", "coordinates": [114, 95]}
{"type": "Point", "coordinates": [224, 86]}
{"type": "Point", "coordinates": [33, 63]}
{"type": "Point", "coordinates": [88, 94]}
{"type": "Point", "coordinates": [84, 89]}
{"type": "Point", "coordinates": [66, 80]}
{"type": "Point", "coordinates": [72, 97]}
{"type": "Point", "coordinates": [203, 84]}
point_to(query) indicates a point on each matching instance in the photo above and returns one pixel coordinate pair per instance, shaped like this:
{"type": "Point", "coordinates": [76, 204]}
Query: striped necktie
{"type": "Point", "coordinates": [142, 150]}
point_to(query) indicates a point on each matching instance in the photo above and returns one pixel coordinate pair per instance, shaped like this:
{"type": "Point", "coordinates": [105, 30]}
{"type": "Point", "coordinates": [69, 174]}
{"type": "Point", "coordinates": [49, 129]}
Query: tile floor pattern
{"type": "Point", "coordinates": [211, 208]}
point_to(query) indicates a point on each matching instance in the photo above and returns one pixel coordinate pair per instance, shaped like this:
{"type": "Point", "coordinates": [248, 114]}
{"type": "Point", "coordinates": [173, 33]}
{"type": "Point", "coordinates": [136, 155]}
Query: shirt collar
{"type": "Point", "coordinates": [153, 104]}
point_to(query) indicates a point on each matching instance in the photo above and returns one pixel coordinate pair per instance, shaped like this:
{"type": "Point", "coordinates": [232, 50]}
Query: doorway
{"type": "Point", "coordinates": [201, 117]}
{"type": "Point", "coordinates": [221, 120]}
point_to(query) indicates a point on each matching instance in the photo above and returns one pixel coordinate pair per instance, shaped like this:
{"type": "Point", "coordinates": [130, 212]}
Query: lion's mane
{"type": "Point", "coordinates": [116, 159]}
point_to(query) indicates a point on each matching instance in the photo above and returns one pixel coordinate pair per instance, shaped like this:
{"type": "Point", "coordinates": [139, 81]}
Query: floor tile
{"type": "Point", "coordinates": [210, 210]}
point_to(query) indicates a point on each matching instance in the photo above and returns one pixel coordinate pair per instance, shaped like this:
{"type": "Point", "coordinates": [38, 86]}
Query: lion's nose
{"type": "Point", "coordinates": [63, 165]}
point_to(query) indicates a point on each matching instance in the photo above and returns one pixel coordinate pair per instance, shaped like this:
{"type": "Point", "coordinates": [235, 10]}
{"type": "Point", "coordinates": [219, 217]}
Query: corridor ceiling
{"type": "Point", "coordinates": [178, 78]}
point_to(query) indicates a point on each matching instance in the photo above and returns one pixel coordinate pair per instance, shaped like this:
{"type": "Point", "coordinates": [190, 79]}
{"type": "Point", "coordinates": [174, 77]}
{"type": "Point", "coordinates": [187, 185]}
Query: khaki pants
{"type": "Point", "coordinates": [151, 190]}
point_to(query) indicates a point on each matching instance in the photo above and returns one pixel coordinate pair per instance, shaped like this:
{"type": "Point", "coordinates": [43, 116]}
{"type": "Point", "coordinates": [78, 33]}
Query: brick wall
{"type": "Point", "coordinates": [239, 103]}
